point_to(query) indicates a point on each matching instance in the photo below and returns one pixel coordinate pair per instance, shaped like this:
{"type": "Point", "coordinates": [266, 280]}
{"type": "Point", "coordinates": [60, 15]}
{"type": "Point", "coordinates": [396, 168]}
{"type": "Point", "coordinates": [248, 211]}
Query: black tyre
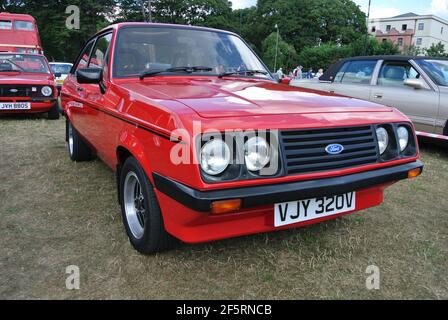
{"type": "Point", "coordinates": [140, 209]}
{"type": "Point", "coordinates": [53, 114]}
{"type": "Point", "coordinates": [445, 130]}
{"type": "Point", "coordinates": [77, 148]}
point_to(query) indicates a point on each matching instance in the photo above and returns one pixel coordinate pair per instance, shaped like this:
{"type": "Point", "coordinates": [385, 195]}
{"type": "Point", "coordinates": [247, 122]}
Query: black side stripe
{"type": "Point", "coordinates": [167, 137]}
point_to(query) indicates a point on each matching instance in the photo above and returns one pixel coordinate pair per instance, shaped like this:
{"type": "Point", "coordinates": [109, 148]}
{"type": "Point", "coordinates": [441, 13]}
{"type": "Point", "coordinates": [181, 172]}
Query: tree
{"type": "Point", "coordinates": [436, 50]}
{"type": "Point", "coordinates": [286, 54]}
{"type": "Point", "coordinates": [323, 56]}
{"type": "Point", "coordinates": [58, 41]}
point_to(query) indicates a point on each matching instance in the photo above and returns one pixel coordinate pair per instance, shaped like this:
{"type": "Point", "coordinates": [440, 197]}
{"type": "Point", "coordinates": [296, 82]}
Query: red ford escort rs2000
{"type": "Point", "coordinates": [27, 85]}
{"type": "Point", "coordinates": [206, 145]}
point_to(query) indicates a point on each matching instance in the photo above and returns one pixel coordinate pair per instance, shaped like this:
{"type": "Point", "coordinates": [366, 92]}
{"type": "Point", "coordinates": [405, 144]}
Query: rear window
{"type": "Point", "coordinates": [5, 25]}
{"type": "Point", "coordinates": [23, 25]}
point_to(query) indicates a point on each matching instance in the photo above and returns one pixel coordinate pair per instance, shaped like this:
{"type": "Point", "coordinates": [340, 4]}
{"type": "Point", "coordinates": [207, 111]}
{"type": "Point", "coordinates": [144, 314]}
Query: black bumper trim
{"type": "Point", "coordinates": [274, 193]}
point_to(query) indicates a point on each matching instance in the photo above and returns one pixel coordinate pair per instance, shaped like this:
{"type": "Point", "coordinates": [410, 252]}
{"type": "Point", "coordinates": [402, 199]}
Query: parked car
{"type": "Point", "coordinates": [417, 86]}
{"type": "Point", "coordinates": [207, 145]}
{"type": "Point", "coordinates": [27, 85]}
{"type": "Point", "coordinates": [60, 71]}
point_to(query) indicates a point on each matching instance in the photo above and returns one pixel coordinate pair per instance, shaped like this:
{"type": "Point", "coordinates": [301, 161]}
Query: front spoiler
{"type": "Point", "coordinates": [274, 193]}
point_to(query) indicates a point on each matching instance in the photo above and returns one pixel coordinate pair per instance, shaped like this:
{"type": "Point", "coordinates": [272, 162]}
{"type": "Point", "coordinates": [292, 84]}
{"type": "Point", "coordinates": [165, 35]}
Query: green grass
{"type": "Point", "coordinates": [55, 213]}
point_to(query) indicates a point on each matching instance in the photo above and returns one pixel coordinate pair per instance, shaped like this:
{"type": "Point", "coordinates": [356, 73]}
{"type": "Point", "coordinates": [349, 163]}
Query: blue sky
{"type": "Point", "coordinates": [385, 8]}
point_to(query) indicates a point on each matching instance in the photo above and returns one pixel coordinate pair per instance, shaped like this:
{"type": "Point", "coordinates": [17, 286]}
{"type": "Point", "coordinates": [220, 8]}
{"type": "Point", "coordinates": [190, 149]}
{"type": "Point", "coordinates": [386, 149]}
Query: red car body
{"type": "Point", "coordinates": [18, 87]}
{"type": "Point", "coordinates": [138, 117]}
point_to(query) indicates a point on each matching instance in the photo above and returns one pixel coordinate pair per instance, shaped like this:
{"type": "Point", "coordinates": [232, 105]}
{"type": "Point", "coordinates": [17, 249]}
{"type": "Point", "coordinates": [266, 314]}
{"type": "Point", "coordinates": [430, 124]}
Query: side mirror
{"type": "Point", "coordinates": [58, 75]}
{"type": "Point", "coordinates": [89, 75]}
{"type": "Point", "coordinates": [414, 83]}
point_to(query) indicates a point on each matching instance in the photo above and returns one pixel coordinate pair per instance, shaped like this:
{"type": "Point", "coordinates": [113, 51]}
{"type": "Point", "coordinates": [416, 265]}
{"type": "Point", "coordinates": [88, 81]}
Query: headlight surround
{"type": "Point", "coordinates": [46, 91]}
{"type": "Point", "coordinates": [403, 137]}
{"type": "Point", "coordinates": [256, 153]}
{"type": "Point", "coordinates": [215, 157]}
{"type": "Point", "coordinates": [383, 139]}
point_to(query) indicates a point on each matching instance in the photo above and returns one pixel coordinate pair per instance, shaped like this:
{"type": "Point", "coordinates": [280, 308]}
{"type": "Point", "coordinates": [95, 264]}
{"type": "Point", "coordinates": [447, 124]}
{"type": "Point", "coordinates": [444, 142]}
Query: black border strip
{"type": "Point", "coordinates": [273, 193]}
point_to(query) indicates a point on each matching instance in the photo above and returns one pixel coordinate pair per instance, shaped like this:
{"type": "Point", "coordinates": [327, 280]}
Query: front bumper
{"type": "Point", "coordinates": [269, 194]}
{"type": "Point", "coordinates": [186, 211]}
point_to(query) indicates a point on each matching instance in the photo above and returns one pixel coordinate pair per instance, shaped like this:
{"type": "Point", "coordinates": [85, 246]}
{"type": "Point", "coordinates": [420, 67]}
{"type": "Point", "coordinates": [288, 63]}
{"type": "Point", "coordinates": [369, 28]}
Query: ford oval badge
{"type": "Point", "coordinates": [334, 148]}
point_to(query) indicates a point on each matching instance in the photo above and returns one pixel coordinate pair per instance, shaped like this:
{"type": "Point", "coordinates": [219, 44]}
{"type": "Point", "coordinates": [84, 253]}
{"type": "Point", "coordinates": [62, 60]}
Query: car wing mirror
{"type": "Point", "coordinates": [58, 75]}
{"type": "Point", "coordinates": [89, 75]}
{"type": "Point", "coordinates": [414, 83]}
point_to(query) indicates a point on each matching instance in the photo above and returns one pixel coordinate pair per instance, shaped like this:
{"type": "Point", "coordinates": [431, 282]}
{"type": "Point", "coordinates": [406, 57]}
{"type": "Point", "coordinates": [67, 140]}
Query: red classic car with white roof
{"type": "Point", "coordinates": [27, 85]}
{"type": "Point", "coordinates": [206, 145]}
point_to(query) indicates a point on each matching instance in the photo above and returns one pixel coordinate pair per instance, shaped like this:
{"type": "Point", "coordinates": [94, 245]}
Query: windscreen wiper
{"type": "Point", "coordinates": [151, 73]}
{"type": "Point", "coordinates": [15, 64]}
{"type": "Point", "coordinates": [250, 72]}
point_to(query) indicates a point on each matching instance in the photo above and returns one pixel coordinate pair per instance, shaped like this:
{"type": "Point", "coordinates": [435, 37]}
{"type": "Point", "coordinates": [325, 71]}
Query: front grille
{"type": "Point", "coordinates": [304, 150]}
{"type": "Point", "coordinates": [20, 91]}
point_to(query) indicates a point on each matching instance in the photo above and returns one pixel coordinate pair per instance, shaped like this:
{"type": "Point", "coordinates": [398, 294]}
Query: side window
{"type": "Point", "coordinates": [84, 57]}
{"type": "Point", "coordinates": [356, 72]}
{"type": "Point", "coordinates": [394, 74]}
{"type": "Point", "coordinates": [99, 51]}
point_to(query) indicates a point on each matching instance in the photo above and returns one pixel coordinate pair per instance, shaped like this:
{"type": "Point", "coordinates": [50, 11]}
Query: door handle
{"type": "Point", "coordinates": [378, 96]}
{"type": "Point", "coordinates": [331, 90]}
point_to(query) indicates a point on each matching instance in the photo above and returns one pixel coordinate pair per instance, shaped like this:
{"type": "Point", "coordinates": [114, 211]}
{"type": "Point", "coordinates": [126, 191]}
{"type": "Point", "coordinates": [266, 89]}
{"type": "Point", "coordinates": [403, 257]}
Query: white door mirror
{"type": "Point", "coordinates": [415, 83]}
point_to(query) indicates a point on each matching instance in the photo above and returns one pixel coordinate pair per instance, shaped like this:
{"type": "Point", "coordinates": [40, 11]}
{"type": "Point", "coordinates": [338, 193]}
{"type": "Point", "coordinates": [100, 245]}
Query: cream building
{"type": "Point", "coordinates": [410, 28]}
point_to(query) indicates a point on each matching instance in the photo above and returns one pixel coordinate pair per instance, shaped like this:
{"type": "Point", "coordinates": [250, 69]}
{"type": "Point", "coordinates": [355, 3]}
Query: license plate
{"type": "Point", "coordinates": [15, 105]}
{"type": "Point", "coordinates": [303, 210]}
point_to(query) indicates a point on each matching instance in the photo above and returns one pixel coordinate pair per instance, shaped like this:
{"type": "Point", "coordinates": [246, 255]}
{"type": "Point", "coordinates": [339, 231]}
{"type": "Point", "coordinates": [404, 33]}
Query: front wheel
{"type": "Point", "coordinates": [140, 209]}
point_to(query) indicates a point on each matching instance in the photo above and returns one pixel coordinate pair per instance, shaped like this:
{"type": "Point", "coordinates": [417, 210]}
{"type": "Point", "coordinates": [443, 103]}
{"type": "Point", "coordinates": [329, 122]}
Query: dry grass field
{"type": "Point", "coordinates": [55, 213]}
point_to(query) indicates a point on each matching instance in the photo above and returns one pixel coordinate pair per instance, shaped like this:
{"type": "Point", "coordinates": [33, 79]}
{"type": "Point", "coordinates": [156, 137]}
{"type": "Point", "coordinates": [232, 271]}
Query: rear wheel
{"type": "Point", "coordinates": [77, 148]}
{"type": "Point", "coordinates": [140, 209]}
{"type": "Point", "coordinates": [53, 114]}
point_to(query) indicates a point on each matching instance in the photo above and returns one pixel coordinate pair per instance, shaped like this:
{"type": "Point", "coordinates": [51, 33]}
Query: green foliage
{"type": "Point", "coordinates": [322, 56]}
{"type": "Point", "coordinates": [436, 50]}
{"type": "Point", "coordinates": [302, 24]}
{"type": "Point", "coordinates": [286, 54]}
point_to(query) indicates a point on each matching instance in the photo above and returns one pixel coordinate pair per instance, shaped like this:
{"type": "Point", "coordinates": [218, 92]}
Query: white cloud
{"type": "Point", "coordinates": [240, 4]}
{"type": "Point", "coordinates": [378, 11]}
{"type": "Point", "coordinates": [439, 8]}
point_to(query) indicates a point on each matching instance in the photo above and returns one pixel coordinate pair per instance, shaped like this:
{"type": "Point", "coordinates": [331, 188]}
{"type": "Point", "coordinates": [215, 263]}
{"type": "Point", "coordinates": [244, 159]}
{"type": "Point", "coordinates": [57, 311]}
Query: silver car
{"type": "Point", "coordinates": [417, 86]}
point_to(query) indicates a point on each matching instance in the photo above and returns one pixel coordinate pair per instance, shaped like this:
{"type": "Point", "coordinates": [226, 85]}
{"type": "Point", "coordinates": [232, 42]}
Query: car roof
{"type": "Point", "coordinates": [391, 57]}
{"type": "Point", "coordinates": [120, 25]}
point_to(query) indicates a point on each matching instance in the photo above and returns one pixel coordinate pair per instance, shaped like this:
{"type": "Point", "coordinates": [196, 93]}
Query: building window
{"type": "Point", "coordinates": [388, 27]}
{"type": "Point", "coordinates": [419, 41]}
{"type": "Point", "coordinates": [404, 27]}
{"type": "Point", "coordinates": [384, 40]}
{"type": "Point", "coordinates": [373, 29]}
{"type": "Point", "coordinates": [400, 42]}
{"type": "Point", "coordinates": [441, 30]}
{"type": "Point", "coordinates": [421, 26]}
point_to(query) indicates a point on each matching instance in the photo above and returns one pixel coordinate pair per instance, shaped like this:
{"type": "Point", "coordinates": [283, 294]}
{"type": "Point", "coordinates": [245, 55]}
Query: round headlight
{"type": "Point", "coordinates": [383, 139]}
{"type": "Point", "coordinates": [46, 91]}
{"type": "Point", "coordinates": [403, 137]}
{"type": "Point", "coordinates": [256, 153]}
{"type": "Point", "coordinates": [215, 157]}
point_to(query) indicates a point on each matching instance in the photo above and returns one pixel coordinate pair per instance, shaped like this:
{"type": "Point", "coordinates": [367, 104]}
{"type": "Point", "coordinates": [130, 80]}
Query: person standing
{"type": "Point", "coordinates": [319, 73]}
{"type": "Point", "coordinates": [280, 73]}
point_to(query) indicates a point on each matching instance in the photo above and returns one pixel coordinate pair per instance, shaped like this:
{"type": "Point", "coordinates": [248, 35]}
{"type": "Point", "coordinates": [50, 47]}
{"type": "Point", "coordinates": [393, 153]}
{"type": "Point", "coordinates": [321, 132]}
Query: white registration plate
{"type": "Point", "coordinates": [303, 210]}
{"type": "Point", "coordinates": [15, 106]}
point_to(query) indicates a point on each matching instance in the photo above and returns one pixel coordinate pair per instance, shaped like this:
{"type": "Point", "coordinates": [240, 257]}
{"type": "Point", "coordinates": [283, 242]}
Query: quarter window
{"type": "Point", "coordinates": [99, 51]}
{"type": "Point", "coordinates": [394, 74]}
{"type": "Point", "coordinates": [84, 57]}
{"type": "Point", "coordinates": [356, 72]}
